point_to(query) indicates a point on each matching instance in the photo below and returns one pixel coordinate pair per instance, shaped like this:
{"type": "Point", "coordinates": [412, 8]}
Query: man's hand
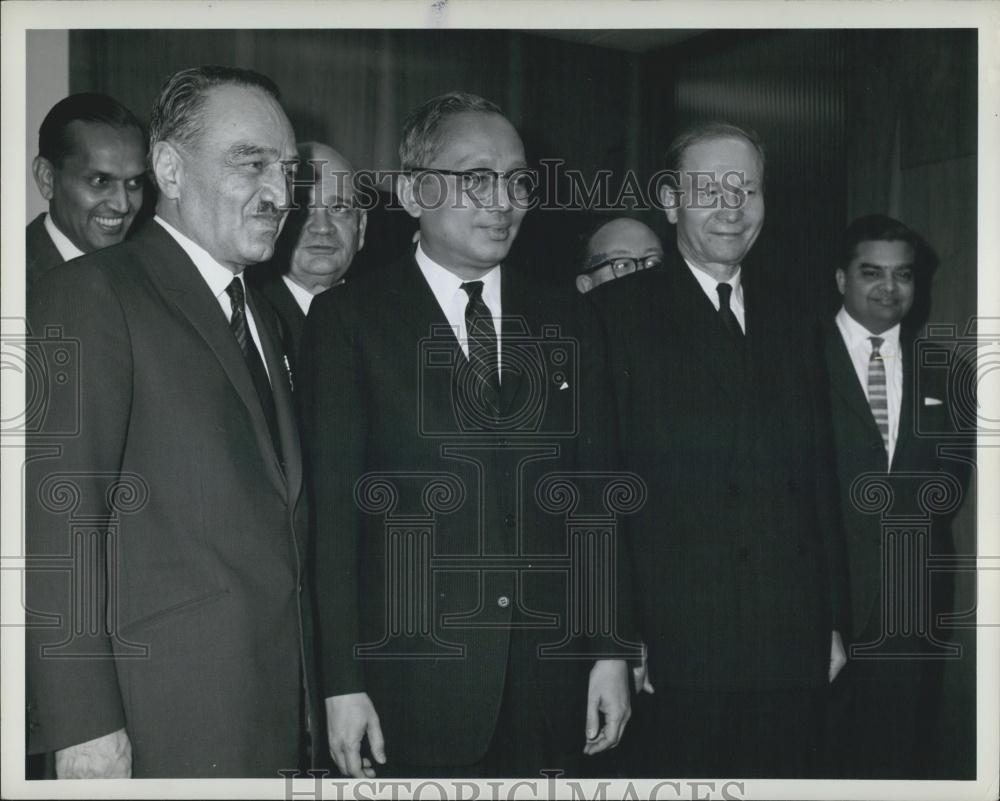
{"type": "Point", "coordinates": [107, 757]}
{"type": "Point", "coordinates": [348, 719]}
{"type": "Point", "coordinates": [838, 657]}
{"type": "Point", "coordinates": [608, 694]}
{"type": "Point", "coordinates": [640, 676]}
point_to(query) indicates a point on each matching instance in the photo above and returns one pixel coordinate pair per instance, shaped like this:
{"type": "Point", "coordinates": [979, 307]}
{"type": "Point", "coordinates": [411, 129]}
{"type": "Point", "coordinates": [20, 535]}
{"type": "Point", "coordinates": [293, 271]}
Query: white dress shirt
{"type": "Point", "coordinates": [710, 287]}
{"type": "Point", "coordinates": [447, 288]}
{"type": "Point", "coordinates": [62, 242]}
{"type": "Point", "coordinates": [859, 347]}
{"type": "Point", "coordinates": [302, 295]}
{"type": "Point", "coordinates": [218, 278]}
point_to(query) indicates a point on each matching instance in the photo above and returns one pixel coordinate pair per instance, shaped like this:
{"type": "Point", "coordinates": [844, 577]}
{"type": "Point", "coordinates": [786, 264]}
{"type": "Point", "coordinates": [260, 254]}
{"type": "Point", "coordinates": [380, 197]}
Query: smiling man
{"type": "Point", "coordinates": [90, 167]}
{"type": "Point", "coordinates": [739, 565]}
{"type": "Point", "coordinates": [887, 706]}
{"type": "Point", "coordinates": [428, 375]}
{"type": "Point", "coordinates": [320, 240]}
{"type": "Point", "coordinates": [199, 667]}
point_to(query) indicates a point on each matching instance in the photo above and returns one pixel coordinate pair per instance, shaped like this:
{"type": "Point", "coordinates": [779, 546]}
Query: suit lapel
{"type": "Point", "coordinates": [513, 329]}
{"type": "Point", "coordinates": [277, 369]}
{"type": "Point", "coordinates": [695, 317]}
{"type": "Point", "coordinates": [904, 433]}
{"type": "Point", "coordinates": [183, 285]}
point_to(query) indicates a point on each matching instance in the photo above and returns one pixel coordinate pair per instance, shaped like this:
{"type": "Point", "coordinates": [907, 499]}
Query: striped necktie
{"type": "Point", "coordinates": [877, 398]}
{"type": "Point", "coordinates": [238, 325]}
{"type": "Point", "coordinates": [482, 338]}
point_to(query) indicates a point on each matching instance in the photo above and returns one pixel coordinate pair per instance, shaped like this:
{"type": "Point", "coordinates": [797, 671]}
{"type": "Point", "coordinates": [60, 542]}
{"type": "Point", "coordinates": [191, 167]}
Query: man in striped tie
{"type": "Point", "coordinates": [885, 703]}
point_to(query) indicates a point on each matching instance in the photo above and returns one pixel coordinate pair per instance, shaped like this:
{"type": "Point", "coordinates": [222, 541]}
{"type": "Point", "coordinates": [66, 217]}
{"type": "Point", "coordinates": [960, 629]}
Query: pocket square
{"type": "Point", "coordinates": [564, 385]}
{"type": "Point", "coordinates": [933, 402]}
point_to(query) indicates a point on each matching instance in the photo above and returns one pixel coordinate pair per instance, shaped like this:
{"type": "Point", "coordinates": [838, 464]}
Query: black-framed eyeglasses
{"type": "Point", "coordinates": [483, 183]}
{"type": "Point", "coordinates": [626, 265]}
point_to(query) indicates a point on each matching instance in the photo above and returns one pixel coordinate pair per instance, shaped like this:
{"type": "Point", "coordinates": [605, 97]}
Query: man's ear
{"type": "Point", "coordinates": [584, 283]}
{"type": "Point", "coordinates": [841, 277]}
{"type": "Point", "coordinates": [45, 176]}
{"type": "Point", "coordinates": [405, 193]}
{"type": "Point", "coordinates": [362, 225]}
{"type": "Point", "coordinates": [168, 169]}
{"type": "Point", "coordinates": [670, 199]}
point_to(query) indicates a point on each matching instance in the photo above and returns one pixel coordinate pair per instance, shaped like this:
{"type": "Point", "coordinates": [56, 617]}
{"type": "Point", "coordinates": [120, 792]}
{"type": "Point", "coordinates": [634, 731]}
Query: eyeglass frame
{"type": "Point", "coordinates": [493, 182]}
{"type": "Point", "coordinates": [636, 261]}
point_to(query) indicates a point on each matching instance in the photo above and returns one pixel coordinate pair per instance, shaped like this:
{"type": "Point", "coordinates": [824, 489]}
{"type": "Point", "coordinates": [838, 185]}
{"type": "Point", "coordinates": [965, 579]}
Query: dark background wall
{"type": "Point", "coordinates": [855, 121]}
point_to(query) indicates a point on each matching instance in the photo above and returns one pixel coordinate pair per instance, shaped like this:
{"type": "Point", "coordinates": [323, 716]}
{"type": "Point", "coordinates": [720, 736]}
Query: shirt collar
{"type": "Point", "coordinates": [856, 335]}
{"type": "Point", "coordinates": [216, 276]}
{"type": "Point", "coordinates": [444, 283]}
{"type": "Point", "coordinates": [62, 242]}
{"type": "Point", "coordinates": [710, 286]}
{"type": "Point", "coordinates": [302, 295]}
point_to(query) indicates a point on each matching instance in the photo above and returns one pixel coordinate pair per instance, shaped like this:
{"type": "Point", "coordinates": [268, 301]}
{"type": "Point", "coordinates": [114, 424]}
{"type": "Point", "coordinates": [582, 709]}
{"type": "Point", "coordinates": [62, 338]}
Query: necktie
{"type": "Point", "coordinates": [482, 346]}
{"type": "Point", "coordinates": [238, 325]}
{"type": "Point", "coordinates": [877, 398]}
{"type": "Point", "coordinates": [726, 313]}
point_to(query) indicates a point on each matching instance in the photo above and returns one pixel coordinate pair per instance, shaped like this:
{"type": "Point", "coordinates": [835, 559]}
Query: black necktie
{"type": "Point", "coordinates": [726, 313]}
{"type": "Point", "coordinates": [238, 324]}
{"type": "Point", "coordinates": [482, 346]}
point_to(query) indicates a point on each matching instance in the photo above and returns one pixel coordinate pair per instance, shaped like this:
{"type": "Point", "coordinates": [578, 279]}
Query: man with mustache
{"type": "Point", "coordinates": [179, 447]}
{"type": "Point", "coordinates": [738, 551]}
{"type": "Point", "coordinates": [429, 382]}
{"type": "Point", "coordinates": [90, 167]}
{"type": "Point", "coordinates": [891, 688]}
{"type": "Point", "coordinates": [320, 239]}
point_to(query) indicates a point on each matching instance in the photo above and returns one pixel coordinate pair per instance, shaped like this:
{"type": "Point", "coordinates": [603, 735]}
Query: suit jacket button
{"type": "Point", "coordinates": [508, 520]}
{"type": "Point", "coordinates": [503, 601]}
{"type": "Point", "coordinates": [743, 553]}
{"type": "Point", "coordinates": [734, 488]}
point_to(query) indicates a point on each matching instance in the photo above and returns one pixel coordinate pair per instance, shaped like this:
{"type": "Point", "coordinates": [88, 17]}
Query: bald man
{"type": "Point", "coordinates": [319, 242]}
{"type": "Point", "coordinates": [618, 248]}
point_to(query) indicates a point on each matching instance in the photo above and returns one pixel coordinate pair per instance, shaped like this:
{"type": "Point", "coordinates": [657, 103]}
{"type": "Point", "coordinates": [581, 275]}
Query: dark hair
{"type": "Point", "coordinates": [55, 139]}
{"type": "Point", "coordinates": [177, 112]}
{"type": "Point", "coordinates": [703, 133]}
{"type": "Point", "coordinates": [882, 228]}
{"type": "Point", "coordinates": [420, 141]}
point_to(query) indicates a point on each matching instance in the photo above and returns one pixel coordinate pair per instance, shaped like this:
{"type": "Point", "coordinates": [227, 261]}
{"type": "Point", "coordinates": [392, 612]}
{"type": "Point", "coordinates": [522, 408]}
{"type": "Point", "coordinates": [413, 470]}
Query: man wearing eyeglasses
{"type": "Point", "coordinates": [427, 385]}
{"type": "Point", "coordinates": [739, 566]}
{"type": "Point", "coordinates": [616, 249]}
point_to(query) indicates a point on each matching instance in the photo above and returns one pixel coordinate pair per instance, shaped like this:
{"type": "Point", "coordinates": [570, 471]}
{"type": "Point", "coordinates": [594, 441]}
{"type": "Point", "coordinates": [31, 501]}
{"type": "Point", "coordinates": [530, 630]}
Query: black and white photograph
{"type": "Point", "coordinates": [492, 400]}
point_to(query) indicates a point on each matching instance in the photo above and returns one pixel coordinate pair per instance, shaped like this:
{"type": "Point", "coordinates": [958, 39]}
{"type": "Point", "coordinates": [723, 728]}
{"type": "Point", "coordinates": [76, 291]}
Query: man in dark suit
{"type": "Point", "coordinates": [738, 549]}
{"type": "Point", "coordinates": [451, 386]}
{"type": "Point", "coordinates": [889, 694]}
{"type": "Point", "coordinates": [319, 242]}
{"type": "Point", "coordinates": [179, 454]}
{"type": "Point", "coordinates": [90, 167]}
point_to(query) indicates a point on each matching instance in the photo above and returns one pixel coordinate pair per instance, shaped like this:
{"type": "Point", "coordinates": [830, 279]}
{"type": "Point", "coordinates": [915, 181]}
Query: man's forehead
{"type": "Point", "coordinates": [93, 139]}
{"type": "Point", "coordinates": [890, 254]}
{"type": "Point", "coordinates": [246, 116]}
{"type": "Point", "coordinates": [724, 153]}
{"type": "Point", "coordinates": [473, 135]}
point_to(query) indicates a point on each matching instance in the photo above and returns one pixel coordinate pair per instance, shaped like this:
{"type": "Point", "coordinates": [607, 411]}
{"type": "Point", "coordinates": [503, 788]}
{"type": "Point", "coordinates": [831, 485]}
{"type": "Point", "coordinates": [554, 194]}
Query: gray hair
{"type": "Point", "coordinates": [177, 113]}
{"type": "Point", "coordinates": [420, 141]}
{"type": "Point", "coordinates": [703, 133]}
